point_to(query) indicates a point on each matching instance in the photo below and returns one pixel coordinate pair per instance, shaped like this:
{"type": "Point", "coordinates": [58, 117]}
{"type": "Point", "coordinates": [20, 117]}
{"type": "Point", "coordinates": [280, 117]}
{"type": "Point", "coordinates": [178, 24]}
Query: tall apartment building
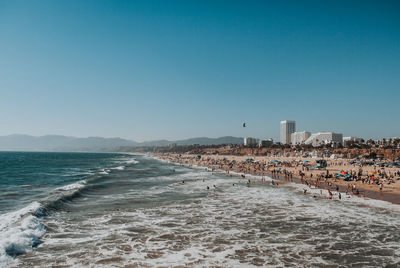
{"type": "Point", "coordinates": [287, 128]}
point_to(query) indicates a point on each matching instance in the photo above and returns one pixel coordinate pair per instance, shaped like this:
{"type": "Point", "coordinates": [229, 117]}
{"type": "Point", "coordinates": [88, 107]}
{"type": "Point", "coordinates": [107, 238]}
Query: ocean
{"type": "Point", "coordinates": [121, 210]}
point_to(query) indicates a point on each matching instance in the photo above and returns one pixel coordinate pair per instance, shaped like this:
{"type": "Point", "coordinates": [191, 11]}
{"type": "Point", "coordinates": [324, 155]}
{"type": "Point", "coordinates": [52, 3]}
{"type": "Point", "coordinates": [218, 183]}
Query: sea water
{"type": "Point", "coordinates": [101, 210]}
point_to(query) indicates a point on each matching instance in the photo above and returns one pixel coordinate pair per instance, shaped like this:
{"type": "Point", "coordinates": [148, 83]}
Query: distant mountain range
{"type": "Point", "coordinates": [200, 141]}
{"type": "Point", "coordinates": [17, 142]}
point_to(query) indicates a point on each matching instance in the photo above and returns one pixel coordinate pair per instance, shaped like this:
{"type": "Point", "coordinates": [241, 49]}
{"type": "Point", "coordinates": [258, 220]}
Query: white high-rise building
{"type": "Point", "coordinates": [300, 137]}
{"type": "Point", "coordinates": [287, 128]}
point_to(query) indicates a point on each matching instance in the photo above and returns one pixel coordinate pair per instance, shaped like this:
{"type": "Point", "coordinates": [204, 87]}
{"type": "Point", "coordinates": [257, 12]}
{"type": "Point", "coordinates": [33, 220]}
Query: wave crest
{"type": "Point", "coordinates": [20, 231]}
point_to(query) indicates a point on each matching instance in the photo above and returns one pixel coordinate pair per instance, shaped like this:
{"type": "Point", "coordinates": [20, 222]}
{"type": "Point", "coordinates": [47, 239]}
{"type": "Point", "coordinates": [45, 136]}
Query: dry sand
{"type": "Point", "coordinates": [390, 192]}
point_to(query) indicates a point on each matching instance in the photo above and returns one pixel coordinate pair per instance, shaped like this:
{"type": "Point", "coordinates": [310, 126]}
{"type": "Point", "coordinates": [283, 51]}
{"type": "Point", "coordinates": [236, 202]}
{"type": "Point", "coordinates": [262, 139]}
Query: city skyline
{"type": "Point", "coordinates": [175, 70]}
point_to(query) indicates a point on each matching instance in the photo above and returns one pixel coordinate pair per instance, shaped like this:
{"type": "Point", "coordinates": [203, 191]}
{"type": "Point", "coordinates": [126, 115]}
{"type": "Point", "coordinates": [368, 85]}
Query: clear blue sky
{"type": "Point", "coordinates": [148, 70]}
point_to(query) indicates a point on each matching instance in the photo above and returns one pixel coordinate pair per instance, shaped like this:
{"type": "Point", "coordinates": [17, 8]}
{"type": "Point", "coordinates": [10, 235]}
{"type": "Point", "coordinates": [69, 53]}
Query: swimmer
{"type": "Point", "coordinates": [208, 188]}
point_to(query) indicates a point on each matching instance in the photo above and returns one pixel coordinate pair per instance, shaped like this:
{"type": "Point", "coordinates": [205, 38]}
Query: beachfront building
{"type": "Point", "coordinates": [250, 141]}
{"type": "Point", "coordinates": [265, 143]}
{"type": "Point", "coordinates": [321, 138]}
{"type": "Point", "coordinates": [351, 139]}
{"type": "Point", "coordinates": [299, 137]}
{"type": "Point", "coordinates": [287, 128]}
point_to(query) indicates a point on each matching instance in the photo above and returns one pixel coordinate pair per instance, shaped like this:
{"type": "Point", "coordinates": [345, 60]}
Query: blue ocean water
{"type": "Point", "coordinates": [121, 210]}
{"type": "Point", "coordinates": [30, 176]}
{"type": "Point", "coordinates": [34, 184]}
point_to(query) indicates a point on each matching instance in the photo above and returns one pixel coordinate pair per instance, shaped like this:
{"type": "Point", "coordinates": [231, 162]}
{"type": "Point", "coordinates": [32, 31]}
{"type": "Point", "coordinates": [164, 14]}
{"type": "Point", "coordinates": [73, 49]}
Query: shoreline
{"type": "Point", "coordinates": [364, 192]}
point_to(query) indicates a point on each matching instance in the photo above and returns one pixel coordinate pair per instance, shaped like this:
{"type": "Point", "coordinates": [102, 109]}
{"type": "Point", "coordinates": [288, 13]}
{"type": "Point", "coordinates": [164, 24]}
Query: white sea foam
{"type": "Point", "coordinates": [104, 171]}
{"type": "Point", "coordinates": [19, 231]}
{"type": "Point", "coordinates": [348, 198]}
{"type": "Point", "coordinates": [73, 186]}
{"type": "Point", "coordinates": [314, 191]}
{"type": "Point", "coordinates": [132, 161]}
{"type": "Point", "coordinates": [119, 168]}
{"type": "Point", "coordinates": [231, 225]}
{"type": "Point", "coordinates": [236, 227]}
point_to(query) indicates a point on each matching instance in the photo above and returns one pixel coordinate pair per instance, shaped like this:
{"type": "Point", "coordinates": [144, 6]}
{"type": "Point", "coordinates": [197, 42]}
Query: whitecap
{"type": "Point", "coordinates": [119, 168]}
{"type": "Point", "coordinates": [20, 231]}
{"type": "Point", "coordinates": [132, 161]}
{"type": "Point", "coordinates": [73, 186]}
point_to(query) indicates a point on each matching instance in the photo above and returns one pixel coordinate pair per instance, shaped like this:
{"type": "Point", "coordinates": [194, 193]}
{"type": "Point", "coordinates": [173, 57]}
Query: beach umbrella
{"type": "Point", "coordinates": [343, 173]}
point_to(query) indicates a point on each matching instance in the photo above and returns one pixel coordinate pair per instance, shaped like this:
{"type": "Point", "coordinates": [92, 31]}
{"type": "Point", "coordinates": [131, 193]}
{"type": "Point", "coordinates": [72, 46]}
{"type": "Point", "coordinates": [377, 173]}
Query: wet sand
{"type": "Point", "coordinates": [390, 192]}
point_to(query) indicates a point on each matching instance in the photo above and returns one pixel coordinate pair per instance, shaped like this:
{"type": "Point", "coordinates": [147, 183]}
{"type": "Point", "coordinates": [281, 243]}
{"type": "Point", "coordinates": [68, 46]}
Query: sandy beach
{"type": "Point", "coordinates": [381, 183]}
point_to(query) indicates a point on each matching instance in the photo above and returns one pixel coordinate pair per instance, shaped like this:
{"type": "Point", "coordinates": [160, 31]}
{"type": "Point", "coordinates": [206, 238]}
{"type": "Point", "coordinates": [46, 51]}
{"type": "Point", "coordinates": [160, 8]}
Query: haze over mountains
{"type": "Point", "coordinates": [59, 143]}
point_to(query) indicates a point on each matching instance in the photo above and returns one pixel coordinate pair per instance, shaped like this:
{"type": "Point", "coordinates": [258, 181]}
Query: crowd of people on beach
{"type": "Point", "coordinates": [350, 179]}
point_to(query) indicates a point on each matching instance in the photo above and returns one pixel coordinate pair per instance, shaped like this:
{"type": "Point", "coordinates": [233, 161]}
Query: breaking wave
{"type": "Point", "coordinates": [21, 230]}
